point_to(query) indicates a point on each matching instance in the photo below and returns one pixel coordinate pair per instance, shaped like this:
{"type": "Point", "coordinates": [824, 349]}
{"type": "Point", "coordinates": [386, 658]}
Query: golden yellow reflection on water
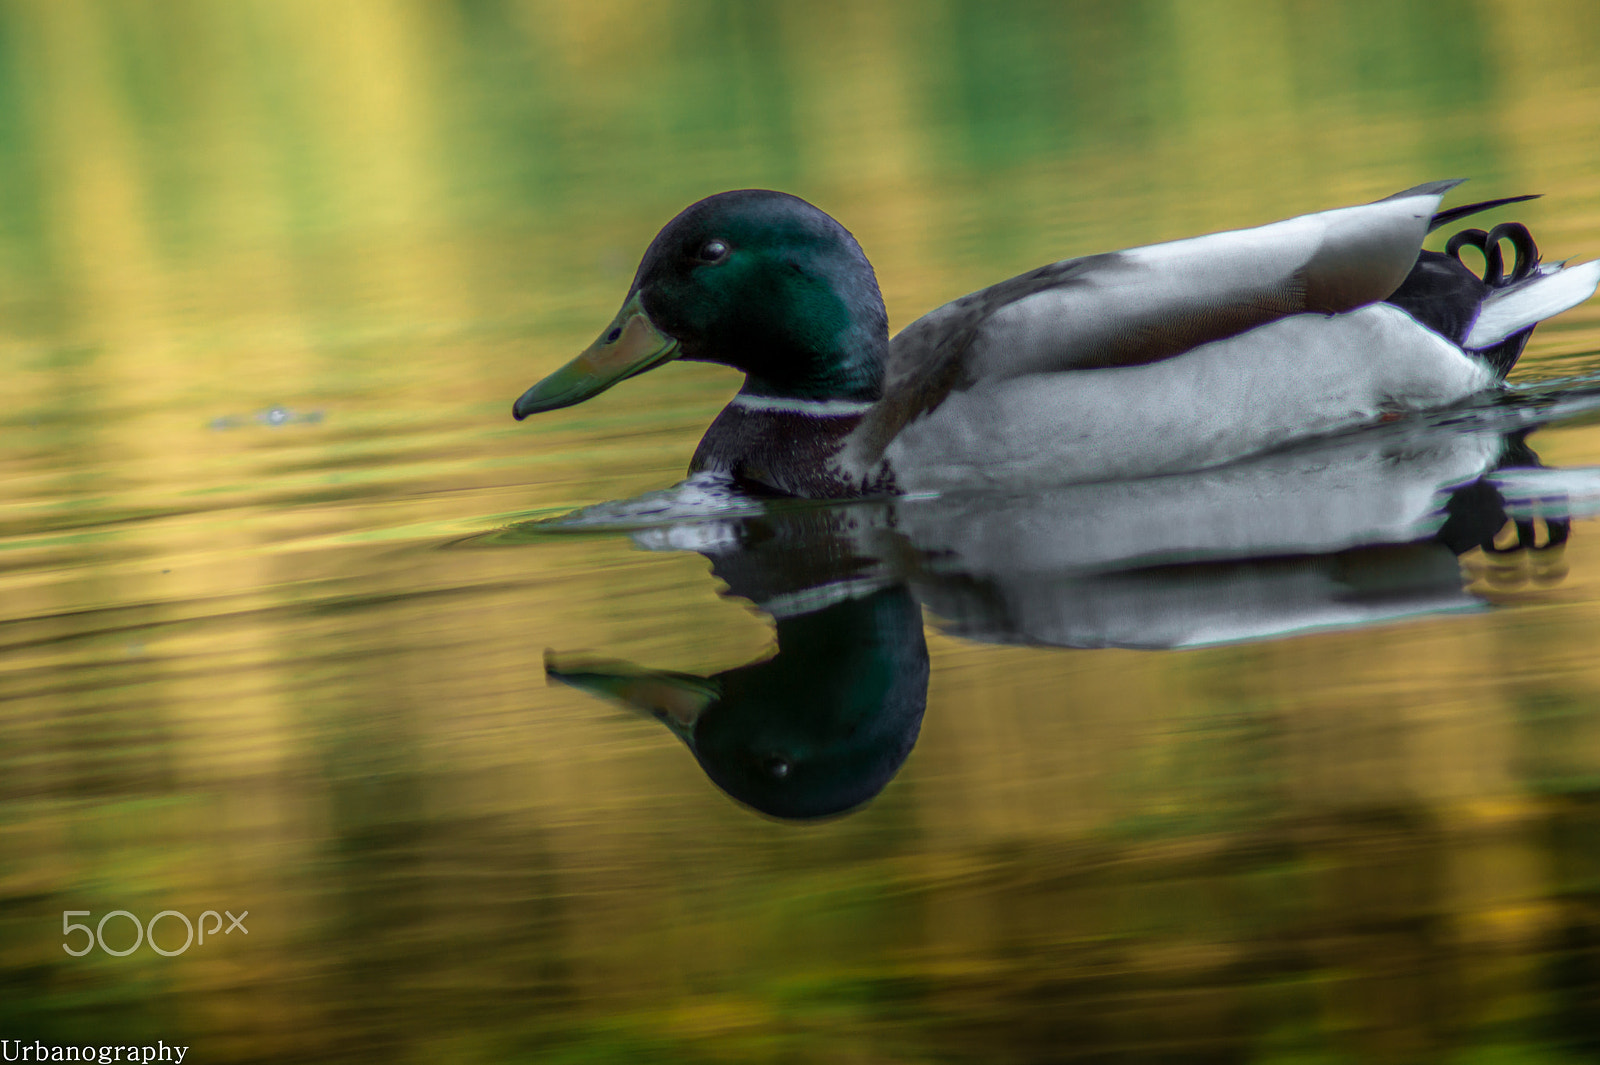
{"type": "Point", "coordinates": [248, 665]}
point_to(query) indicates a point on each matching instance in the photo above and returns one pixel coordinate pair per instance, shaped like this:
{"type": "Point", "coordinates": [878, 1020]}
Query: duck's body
{"type": "Point", "coordinates": [1153, 360]}
{"type": "Point", "coordinates": [1299, 376]}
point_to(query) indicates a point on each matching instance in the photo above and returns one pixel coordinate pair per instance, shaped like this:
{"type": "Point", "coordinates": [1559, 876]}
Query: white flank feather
{"type": "Point", "coordinates": [1509, 310]}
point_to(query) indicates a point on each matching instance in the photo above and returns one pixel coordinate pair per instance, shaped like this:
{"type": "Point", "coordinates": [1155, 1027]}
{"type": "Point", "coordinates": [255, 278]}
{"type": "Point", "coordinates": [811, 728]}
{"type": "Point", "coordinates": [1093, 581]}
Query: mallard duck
{"type": "Point", "coordinates": [1153, 360]}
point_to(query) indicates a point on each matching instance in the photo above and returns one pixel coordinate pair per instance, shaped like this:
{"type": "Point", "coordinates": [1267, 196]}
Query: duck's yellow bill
{"type": "Point", "coordinates": [630, 345]}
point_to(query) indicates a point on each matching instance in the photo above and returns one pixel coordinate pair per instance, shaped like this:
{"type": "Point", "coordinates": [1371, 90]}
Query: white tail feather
{"type": "Point", "coordinates": [1510, 309]}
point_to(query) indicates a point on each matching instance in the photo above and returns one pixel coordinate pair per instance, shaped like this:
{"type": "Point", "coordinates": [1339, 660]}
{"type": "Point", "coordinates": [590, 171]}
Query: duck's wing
{"type": "Point", "coordinates": [1145, 304]}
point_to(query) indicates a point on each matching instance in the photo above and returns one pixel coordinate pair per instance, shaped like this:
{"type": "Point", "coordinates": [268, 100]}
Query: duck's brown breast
{"type": "Point", "coordinates": [787, 446]}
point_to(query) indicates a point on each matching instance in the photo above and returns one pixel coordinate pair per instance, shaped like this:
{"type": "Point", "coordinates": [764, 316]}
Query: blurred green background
{"type": "Point", "coordinates": [242, 665]}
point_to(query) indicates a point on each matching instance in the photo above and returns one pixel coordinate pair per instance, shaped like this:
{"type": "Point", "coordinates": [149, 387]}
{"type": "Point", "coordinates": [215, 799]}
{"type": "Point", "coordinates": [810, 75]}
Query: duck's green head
{"type": "Point", "coordinates": [757, 280]}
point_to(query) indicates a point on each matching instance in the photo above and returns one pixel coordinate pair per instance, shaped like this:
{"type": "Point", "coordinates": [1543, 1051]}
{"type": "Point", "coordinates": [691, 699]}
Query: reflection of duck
{"type": "Point", "coordinates": [1342, 533]}
{"type": "Point", "coordinates": [1356, 531]}
{"type": "Point", "coordinates": [1171, 357]}
{"type": "Point", "coordinates": [818, 728]}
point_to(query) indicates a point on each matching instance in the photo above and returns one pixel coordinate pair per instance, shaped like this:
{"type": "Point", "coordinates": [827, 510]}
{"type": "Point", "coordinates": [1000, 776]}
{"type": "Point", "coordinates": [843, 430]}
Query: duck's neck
{"type": "Point", "coordinates": [850, 373]}
{"type": "Point", "coordinates": [750, 401]}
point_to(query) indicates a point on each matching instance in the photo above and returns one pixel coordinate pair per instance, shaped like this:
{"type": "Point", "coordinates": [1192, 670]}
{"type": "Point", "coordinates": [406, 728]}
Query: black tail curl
{"type": "Point", "coordinates": [1444, 294]}
{"type": "Point", "coordinates": [1488, 244]}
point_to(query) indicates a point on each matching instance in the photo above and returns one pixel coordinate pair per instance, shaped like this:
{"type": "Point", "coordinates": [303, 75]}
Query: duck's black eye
{"type": "Point", "coordinates": [776, 767]}
{"type": "Point", "coordinates": [712, 251]}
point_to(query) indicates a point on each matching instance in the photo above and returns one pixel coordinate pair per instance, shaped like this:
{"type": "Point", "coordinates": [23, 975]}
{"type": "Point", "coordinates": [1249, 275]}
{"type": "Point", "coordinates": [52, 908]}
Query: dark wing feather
{"type": "Point", "coordinates": [1466, 210]}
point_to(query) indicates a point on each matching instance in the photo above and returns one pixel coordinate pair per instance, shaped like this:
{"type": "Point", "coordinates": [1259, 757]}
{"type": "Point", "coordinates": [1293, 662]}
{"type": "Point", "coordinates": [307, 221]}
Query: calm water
{"type": "Point", "coordinates": [1271, 765]}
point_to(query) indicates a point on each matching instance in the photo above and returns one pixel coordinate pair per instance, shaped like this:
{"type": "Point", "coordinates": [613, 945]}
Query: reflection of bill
{"type": "Point", "coordinates": [146, 933]}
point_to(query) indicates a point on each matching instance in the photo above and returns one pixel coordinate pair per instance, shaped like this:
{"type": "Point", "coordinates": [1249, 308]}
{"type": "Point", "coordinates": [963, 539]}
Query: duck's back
{"type": "Point", "coordinates": [1146, 304]}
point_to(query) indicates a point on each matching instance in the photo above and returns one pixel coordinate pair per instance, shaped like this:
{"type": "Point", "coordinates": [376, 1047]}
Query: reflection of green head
{"type": "Point", "coordinates": [815, 730]}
